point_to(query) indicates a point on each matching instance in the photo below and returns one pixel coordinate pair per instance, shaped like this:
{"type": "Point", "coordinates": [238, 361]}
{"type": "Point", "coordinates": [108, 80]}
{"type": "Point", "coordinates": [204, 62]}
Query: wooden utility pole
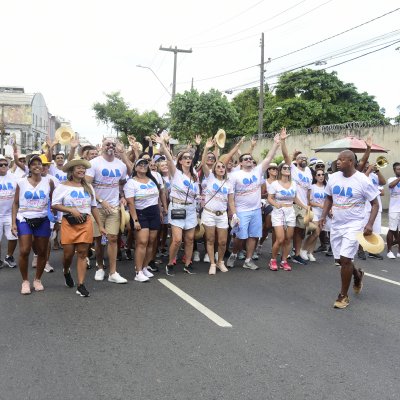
{"type": "Point", "coordinates": [261, 101]}
{"type": "Point", "coordinates": [175, 50]}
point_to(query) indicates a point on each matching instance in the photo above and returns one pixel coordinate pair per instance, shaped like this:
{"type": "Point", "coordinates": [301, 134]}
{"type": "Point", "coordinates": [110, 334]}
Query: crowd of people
{"type": "Point", "coordinates": [110, 199]}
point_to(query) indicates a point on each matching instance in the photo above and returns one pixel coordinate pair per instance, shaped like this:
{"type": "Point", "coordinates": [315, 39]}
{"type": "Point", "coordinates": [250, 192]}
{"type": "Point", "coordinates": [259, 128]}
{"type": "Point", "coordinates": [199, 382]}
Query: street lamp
{"type": "Point", "coordinates": [159, 80]}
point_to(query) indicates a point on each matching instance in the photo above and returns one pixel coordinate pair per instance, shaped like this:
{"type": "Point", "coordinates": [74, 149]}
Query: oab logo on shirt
{"type": "Point", "coordinates": [342, 191]}
{"type": "Point", "coordinates": [79, 195]}
{"type": "Point", "coordinates": [320, 195]}
{"type": "Point", "coordinates": [7, 186]}
{"type": "Point", "coordinates": [111, 173]}
{"type": "Point", "coordinates": [149, 185]}
{"type": "Point", "coordinates": [247, 181]}
{"type": "Point", "coordinates": [34, 195]}
{"type": "Point", "coordinates": [61, 177]}
{"type": "Point", "coordinates": [302, 180]}
{"type": "Point", "coordinates": [191, 186]}
{"type": "Point", "coordinates": [223, 190]}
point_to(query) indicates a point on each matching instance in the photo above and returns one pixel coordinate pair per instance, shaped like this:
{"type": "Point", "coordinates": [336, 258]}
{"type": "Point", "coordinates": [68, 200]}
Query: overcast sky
{"type": "Point", "coordinates": [75, 51]}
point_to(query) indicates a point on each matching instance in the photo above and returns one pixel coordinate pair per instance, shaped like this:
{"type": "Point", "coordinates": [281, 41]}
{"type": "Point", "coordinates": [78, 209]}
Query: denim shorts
{"type": "Point", "coordinates": [189, 222]}
{"type": "Point", "coordinates": [250, 224]}
{"type": "Point", "coordinates": [43, 230]}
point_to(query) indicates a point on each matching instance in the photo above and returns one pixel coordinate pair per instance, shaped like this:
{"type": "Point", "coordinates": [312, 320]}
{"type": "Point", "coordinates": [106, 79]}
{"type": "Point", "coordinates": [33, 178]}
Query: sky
{"type": "Point", "coordinates": [73, 52]}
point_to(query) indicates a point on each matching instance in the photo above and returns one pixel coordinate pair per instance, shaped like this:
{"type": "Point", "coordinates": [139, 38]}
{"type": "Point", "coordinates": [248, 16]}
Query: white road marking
{"type": "Point", "coordinates": [194, 303]}
{"type": "Point", "coordinates": [382, 279]}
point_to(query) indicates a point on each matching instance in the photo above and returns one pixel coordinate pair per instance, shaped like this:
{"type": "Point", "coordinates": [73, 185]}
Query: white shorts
{"type": "Point", "coordinates": [394, 221]}
{"type": "Point", "coordinates": [284, 216]}
{"type": "Point", "coordinates": [344, 242]}
{"type": "Point", "coordinates": [210, 219]}
{"type": "Point", "coordinates": [189, 222]}
{"type": "Point", "coordinates": [377, 224]}
{"type": "Point", "coordinates": [5, 228]}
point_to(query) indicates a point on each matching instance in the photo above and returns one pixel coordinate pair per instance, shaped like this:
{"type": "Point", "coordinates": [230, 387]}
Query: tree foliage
{"type": "Point", "coordinates": [194, 113]}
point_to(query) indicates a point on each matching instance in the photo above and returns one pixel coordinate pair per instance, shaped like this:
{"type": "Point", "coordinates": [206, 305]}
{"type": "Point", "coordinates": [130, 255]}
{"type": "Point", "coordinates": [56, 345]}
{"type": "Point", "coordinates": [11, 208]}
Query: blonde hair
{"type": "Point", "coordinates": [86, 187]}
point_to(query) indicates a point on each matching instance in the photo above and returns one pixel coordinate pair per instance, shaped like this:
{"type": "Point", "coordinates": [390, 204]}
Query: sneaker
{"type": "Point", "coordinates": [169, 270]}
{"type": "Point", "coordinates": [48, 268]}
{"type": "Point", "coordinates": [37, 285]}
{"type": "Point", "coordinates": [152, 266]}
{"type": "Point", "coordinates": [147, 272]}
{"type": "Point", "coordinates": [342, 301]}
{"type": "Point", "coordinates": [128, 254]}
{"type": "Point", "coordinates": [221, 266]}
{"type": "Point", "coordinates": [68, 279]}
{"type": "Point", "coordinates": [361, 255]}
{"type": "Point", "coordinates": [255, 256]}
{"type": "Point", "coordinates": [375, 256]}
{"type": "Point", "coordinates": [321, 249]}
{"type": "Point", "coordinates": [116, 278]}
{"type": "Point", "coordinates": [34, 261]}
{"type": "Point", "coordinates": [250, 265]}
{"type": "Point", "coordinates": [285, 266]}
{"type": "Point", "coordinates": [206, 258]}
{"type": "Point", "coordinates": [299, 260]}
{"type": "Point", "coordinates": [26, 287]}
{"type": "Point", "coordinates": [358, 284]}
{"type": "Point", "coordinates": [10, 262]}
{"type": "Point", "coordinates": [241, 255]}
{"type": "Point", "coordinates": [164, 252]}
{"type": "Point", "coordinates": [390, 255]}
{"type": "Point", "coordinates": [99, 275]}
{"type": "Point", "coordinates": [213, 269]}
{"type": "Point", "coordinates": [196, 256]}
{"type": "Point", "coordinates": [231, 260]}
{"type": "Point", "coordinates": [303, 255]}
{"type": "Point", "coordinates": [329, 253]}
{"type": "Point", "coordinates": [82, 291]}
{"type": "Point", "coordinates": [337, 263]}
{"type": "Point", "coordinates": [189, 269]}
{"type": "Point", "coordinates": [141, 277]}
{"type": "Point", "coordinates": [311, 257]}
{"type": "Point", "coordinates": [273, 266]}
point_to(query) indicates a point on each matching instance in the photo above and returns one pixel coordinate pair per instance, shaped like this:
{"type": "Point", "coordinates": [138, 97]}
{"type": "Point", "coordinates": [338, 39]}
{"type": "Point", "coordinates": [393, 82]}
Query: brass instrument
{"type": "Point", "coordinates": [381, 162]}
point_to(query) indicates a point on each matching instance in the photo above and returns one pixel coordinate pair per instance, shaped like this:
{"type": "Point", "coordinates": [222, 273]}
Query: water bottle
{"type": "Point", "coordinates": [104, 240]}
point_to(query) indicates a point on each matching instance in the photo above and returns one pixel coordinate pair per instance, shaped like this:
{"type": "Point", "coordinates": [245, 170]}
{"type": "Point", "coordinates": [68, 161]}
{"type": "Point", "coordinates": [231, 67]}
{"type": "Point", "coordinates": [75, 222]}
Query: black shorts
{"type": "Point", "coordinates": [149, 218]}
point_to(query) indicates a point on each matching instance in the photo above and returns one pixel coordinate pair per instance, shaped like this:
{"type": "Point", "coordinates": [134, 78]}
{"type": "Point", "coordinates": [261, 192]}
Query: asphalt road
{"type": "Point", "coordinates": [142, 341]}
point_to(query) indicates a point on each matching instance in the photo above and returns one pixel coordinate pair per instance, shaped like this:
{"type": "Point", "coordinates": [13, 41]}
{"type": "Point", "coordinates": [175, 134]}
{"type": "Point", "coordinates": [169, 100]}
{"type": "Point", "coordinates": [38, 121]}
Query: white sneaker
{"type": "Point", "coordinates": [48, 268]}
{"type": "Point", "coordinates": [99, 275]}
{"type": "Point", "coordinates": [255, 256]}
{"type": "Point", "coordinates": [34, 261]}
{"type": "Point", "coordinates": [206, 258]}
{"type": "Point", "coordinates": [390, 255]}
{"type": "Point", "coordinates": [141, 277]}
{"type": "Point", "coordinates": [147, 272]}
{"type": "Point", "coordinates": [303, 255]}
{"type": "Point", "coordinates": [311, 257]}
{"type": "Point", "coordinates": [116, 278]}
{"type": "Point", "coordinates": [196, 256]}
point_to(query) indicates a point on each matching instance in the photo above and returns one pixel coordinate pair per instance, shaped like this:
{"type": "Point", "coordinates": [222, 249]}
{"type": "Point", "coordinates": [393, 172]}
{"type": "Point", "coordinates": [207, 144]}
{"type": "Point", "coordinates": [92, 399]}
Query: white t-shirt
{"type": "Point", "coordinates": [106, 177]}
{"type": "Point", "coordinates": [283, 195]}
{"type": "Point", "coordinates": [303, 181]}
{"type": "Point", "coordinates": [159, 178]}
{"type": "Point", "coordinates": [375, 181]}
{"type": "Point", "coordinates": [59, 174]}
{"type": "Point", "coordinates": [349, 196]}
{"type": "Point", "coordinates": [8, 184]}
{"type": "Point", "coordinates": [247, 188]}
{"type": "Point", "coordinates": [394, 201]}
{"type": "Point", "coordinates": [216, 200]}
{"type": "Point", "coordinates": [19, 173]}
{"type": "Point", "coordinates": [33, 201]}
{"type": "Point", "coordinates": [167, 183]}
{"type": "Point", "coordinates": [180, 183]}
{"type": "Point", "coordinates": [74, 197]}
{"type": "Point", "coordinates": [318, 196]}
{"type": "Point", "coordinates": [144, 194]}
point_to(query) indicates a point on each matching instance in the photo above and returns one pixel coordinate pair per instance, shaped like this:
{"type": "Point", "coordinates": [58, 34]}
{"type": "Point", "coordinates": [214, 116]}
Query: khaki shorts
{"type": "Point", "coordinates": [300, 213]}
{"type": "Point", "coordinates": [111, 222]}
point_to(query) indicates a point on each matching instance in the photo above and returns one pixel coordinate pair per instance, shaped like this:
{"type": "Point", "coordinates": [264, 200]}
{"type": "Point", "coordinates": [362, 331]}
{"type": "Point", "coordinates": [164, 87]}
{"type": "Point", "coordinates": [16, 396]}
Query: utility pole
{"type": "Point", "coordinates": [175, 50]}
{"type": "Point", "coordinates": [261, 101]}
{"type": "Point", "coordinates": [2, 130]}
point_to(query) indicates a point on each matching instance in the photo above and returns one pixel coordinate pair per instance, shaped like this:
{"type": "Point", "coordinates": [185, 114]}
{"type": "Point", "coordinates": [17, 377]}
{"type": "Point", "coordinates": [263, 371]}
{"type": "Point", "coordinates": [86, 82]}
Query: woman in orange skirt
{"type": "Point", "coordinates": [76, 199]}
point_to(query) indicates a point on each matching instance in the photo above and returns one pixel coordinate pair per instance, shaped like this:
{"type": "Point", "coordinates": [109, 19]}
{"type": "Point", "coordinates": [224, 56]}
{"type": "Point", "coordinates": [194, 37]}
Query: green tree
{"type": "Point", "coordinates": [194, 113]}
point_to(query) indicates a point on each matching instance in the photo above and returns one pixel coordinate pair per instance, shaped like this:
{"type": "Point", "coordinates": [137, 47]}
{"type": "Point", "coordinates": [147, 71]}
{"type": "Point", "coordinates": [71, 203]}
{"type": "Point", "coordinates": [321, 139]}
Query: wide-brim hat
{"type": "Point", "coordinates": [125, 217]}
{"type": "Point", "coordinates": [220, 138]}
{"type": "Point", "coordinates": [199, 231]}
{"type": "Point", "coordinates": [311, 227]}
{"type": "Point", "coordinates": [64, 134]}
{"type": "Point", "coordinates": [372, 243]}
{"type": "Point", "coordinates": [74, 162]}
{"type": "Point", "coordinates": [309, 216]}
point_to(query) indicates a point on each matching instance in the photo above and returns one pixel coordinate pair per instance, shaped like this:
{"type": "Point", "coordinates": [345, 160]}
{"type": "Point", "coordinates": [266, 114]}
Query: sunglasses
{"type": "Point", "coordinates": [3, 165]}
{"type": "Point", "coordinates": [187, 158]}
{"type": "Point", "coordinates": [143, 164]}
{"type": "Point", "coordinates": [320, 175]}
{"type": "Point", "coordinates": [286, 168]}
{"type": "Point", "coordinates": [303, 158]}
{"type": "Point", "coordinates": [22, 160]}
{"type": "Point", "coordinates": [111, 145]}
{"type": "Point", "coordinates": [247, 158]}
{"type": "Point", "coordinates": [210, 158]}
{"type": "Point", "coordinates": [221, 166]}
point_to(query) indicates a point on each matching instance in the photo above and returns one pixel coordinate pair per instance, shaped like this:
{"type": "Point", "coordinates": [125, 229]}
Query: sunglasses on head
{"type": "Point", "coordinates": [143, 164]}
{"type": "Point", "coordinates": [274, 168]}
{"type": "Point", "coordinates": [3, 165]}
{"type": "Point", "coordinates": [187, 158]}
{"type": "Point", "coordinates": [247, 158]}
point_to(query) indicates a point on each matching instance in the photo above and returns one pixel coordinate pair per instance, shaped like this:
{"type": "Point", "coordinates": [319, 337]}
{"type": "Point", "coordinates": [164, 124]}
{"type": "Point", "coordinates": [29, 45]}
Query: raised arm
{"type": "Point", "coordinates": [361, 164]}
{"type": "Point", "coordinates": [164, 150]}
{"type": "Point", "coordinates": [284, 149]}
{"type": "Point", "coordinates": [234, 150]}
{"type": "Point", "coordinates": [210, 143]}
{"type": "Point", "coordinates": [253, 144]}
{"type": "Point", "coordinates": [16, 159]}
{"type": "Point", "coordinates": [271, 153]}
{"type": "Point", "coordinates": [73, 146]}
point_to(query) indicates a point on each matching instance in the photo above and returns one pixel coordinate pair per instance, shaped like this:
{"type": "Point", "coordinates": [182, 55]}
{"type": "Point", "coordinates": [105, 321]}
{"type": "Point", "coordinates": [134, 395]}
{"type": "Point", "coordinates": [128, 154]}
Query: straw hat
{"type": "Point", "coordinates": [309, 216]}
{"type": "Point", "coordinates": [125, 217]}
{"type": "Point", "coordinates": [64, 134]}
{"type": "Point", "coordinates": [76, 161]}
{"type": "Point", "coordinates": [311, 227]}
{"type": "Point", "coordinates": [220, 138]}
{"type": "Point", "coordinates": [373, 243]}
{"type": "Point", "coordinates": [199, 231]}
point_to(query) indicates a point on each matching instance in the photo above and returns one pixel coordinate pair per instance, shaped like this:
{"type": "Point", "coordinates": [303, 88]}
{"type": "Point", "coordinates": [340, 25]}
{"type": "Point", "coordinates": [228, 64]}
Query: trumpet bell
{"type": "Point", "coordinates": [382, 162]}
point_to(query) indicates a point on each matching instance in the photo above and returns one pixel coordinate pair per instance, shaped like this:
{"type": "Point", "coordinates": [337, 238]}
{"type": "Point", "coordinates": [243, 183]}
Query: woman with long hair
{"type": "Point", "coordinates": [182, 214]}
{"type": "Point", "coordinates": [316, 198]}
{"type": "Point", "coordinates": [142, 192]}
{"type": "Point", "coordinates": [164, 172]}
{"type": "Point", "coordinates": [218, 193]}
{"type": "Point", "coordinates": [282, 194]}
{"type": "Point", "coordinates": [75, 198]}
{"type": "Point", "coordinates": [30, 221]}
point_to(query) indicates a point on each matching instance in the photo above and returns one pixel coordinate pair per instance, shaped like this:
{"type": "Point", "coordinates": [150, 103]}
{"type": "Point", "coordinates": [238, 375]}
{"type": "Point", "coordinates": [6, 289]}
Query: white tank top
{"type": "Point", "coordinates": [33, 201]}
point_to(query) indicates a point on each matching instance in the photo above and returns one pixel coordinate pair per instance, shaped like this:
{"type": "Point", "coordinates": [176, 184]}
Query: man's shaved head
{"type": "Point", "coordinates": [349, 155]}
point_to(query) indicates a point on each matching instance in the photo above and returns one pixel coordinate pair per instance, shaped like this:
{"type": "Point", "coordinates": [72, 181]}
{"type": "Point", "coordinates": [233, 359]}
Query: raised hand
{"type": "Point", "coordinates": [283, 135]}
{"type": "Point", "coordinates": [157, 139]}
{"type": "Point", "coordinates": [120, 148]}
{"type": "Point", "coordinates": [277, 139]}
{"type": "Point", "coordinates": [131, 139]}
{"type": "Point", "coordinates": [368, 141]}
{"type": "Point", "coordinates": [210, 143]}
{"type": "Point", "coordinates": [147, 139]}
{"type": "Point", "coordinates": [253, 143]}
{"type": "Point", "coordinates": [74, 143]}
{"type": "Point", "coordinates": [197, 140]}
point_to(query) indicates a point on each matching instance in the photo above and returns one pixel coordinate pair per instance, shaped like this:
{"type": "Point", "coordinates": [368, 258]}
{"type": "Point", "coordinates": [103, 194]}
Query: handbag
{"type": "Point", "coordinates": [180, 213]}
{"type": "Point", "coordinates": [73, 220]}
{"type": "Point", "coordinates": [35, 222]}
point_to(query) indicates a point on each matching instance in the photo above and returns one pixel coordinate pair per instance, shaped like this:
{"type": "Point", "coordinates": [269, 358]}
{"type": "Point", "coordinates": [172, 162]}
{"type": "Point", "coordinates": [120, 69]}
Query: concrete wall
{"type": "Point", "coordinates": [385, 136]}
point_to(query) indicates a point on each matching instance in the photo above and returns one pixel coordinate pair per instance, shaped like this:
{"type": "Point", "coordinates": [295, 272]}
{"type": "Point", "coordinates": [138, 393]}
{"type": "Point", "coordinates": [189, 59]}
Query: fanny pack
{"type": "Point", "coordinates": [35, 222]}
{"type": "Point", "coordinates": [178, 213]}
{"type": "Point", "coordinates": [73, 220]}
